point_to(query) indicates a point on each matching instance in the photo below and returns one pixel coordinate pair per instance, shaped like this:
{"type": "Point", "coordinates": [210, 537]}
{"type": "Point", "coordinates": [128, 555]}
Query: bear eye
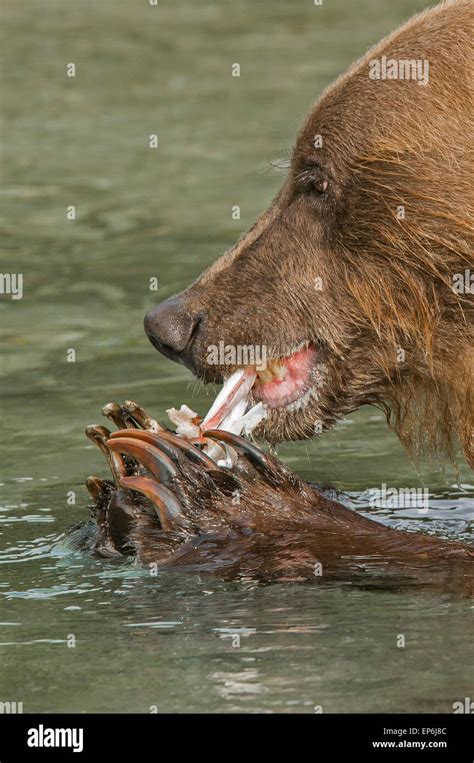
{"type": "Point", "coordinates": [313, 179]}
{"type": "Point", "coordinates": [321, 185]}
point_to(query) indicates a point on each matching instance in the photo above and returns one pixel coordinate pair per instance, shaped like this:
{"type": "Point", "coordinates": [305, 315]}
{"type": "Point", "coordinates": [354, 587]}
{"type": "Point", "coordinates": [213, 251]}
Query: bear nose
{"type": "Point", "coordinates": [171, 326]}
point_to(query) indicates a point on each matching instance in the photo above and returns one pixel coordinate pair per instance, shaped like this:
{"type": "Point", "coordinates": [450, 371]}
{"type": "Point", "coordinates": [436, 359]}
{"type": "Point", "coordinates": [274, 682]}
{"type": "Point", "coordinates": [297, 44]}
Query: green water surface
{"type": "Point", "coordinates": [78, 634]}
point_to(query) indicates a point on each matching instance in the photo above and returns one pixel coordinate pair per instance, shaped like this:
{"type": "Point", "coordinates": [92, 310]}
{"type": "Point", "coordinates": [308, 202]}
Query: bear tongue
{"type": "Point", "coordinates": [277, 390]}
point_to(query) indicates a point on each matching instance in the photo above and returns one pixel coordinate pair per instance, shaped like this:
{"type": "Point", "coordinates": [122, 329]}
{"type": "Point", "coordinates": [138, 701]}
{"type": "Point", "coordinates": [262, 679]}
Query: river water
{"type": "Point", "coordinates": [78, 634]}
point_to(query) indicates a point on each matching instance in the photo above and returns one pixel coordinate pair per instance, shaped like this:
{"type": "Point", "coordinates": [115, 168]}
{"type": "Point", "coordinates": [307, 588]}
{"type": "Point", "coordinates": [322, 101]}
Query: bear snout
{"type": "Point", "coordinates": [171, 326]}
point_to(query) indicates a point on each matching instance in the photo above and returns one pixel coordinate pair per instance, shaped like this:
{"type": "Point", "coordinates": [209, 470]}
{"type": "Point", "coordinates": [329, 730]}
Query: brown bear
{"type": "Point", "coordinates": [358, 280]}
{"type": "Point", "coordinates": [354, 287]}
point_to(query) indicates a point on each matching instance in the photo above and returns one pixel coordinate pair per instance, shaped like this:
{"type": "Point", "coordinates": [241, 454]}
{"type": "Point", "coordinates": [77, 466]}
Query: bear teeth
{"type": "Point", "coordinates": [274, 370]}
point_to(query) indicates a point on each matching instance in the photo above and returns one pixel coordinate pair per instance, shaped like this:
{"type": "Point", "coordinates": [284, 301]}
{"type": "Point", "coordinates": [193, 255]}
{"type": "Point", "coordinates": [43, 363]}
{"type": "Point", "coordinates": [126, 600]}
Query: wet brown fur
{"type": "Point", "coordinates": [386, 282]}
{"type": "Point", "coordinates": [387, 286]}
{"type": "Point", "coordinates": [260, 522]}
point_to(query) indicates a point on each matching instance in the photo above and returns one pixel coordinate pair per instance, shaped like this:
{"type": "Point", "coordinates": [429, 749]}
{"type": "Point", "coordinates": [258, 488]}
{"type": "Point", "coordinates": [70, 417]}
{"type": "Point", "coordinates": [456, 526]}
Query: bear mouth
{"type": "Point", "coordinates": [286, 380]}
{"type": "Point", "coordinates": [284, 383]}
